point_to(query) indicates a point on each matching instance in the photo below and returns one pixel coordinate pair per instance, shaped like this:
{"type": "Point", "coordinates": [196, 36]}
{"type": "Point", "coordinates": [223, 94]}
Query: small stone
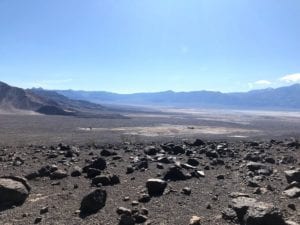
{"type": "Point", "coordinates": [144, 198]}
{"type": "Point", "coordinates": [151, 150]}
{"type": "Point", "coordinates": [198, 142]}
{"type": "Point", "coordinates": [221, 177]}
{"type": "Point", "coordinates": [58, 174]}
{"type": "Point", "coordinates": [198, 174]}
{"type": "Point", "coordinates": [126, 220]}
{"type": "Point", "coordinates": [77, 171]}
{"type": "Point", "coordinates": [129, 170]}
{"type": "Point", "coordinates": [292, 206]}
{"type": "Point", "coordinates": [99, 164]}
{"type": "Point", "coordinates": [144, 211]}
{"type": "Point", "coordinates": [122, 211]}
{"type": "Point", "coordinates": [126, 199]}
{"type": "Point", "coordinates": [140, 218]}
{"type": "Point", "coordinates": [38, 220]}
{"type": "Point", "coordinates": [160, 166]}
{"type": "Point", "coordinates": [134, 203]}
{"type": "Point", "coordinates": [195, 220]}
{"type": "Point", "coordinates": [187, 191]}
{"type": "Point", "coordinates": [208, 206]}
{"type": "Point", "coordinates": [44, 210]}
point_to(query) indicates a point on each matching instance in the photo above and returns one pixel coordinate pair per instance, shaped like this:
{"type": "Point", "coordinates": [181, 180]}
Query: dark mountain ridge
{"type": "Point", "coordinates": [14, 99]}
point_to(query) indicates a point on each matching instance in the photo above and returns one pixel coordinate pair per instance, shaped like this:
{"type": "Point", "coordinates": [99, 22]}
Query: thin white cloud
{"type": "Point", "coordinates": [262, 82]}
{"type": "Point", "coordinates": [291, 78]}
{"type": "Point", "coordinates": [259, 84]}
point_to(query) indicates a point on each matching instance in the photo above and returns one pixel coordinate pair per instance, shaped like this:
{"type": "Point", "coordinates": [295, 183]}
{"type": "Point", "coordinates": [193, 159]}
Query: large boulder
{"type": "Point", "coordinates": [13, 191]}
{"type": "Point", "coordinates": [293, 192]}
{"type": "Point", "coordinates": [93, 202]}
{"type": "Point", "coordinates": [251, 212]}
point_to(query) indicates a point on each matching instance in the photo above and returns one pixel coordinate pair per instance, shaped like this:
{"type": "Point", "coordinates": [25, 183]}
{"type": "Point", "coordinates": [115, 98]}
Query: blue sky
{"type": "Point", "coordinates": [130, 46]}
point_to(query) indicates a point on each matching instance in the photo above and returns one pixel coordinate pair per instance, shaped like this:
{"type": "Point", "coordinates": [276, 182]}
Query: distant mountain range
{"type": "Point", "coordinates": [18, 100]}
{"type": "Point", "coordinates": [284, 98]}
{"type": "Point", "coordinates": [89, 103]}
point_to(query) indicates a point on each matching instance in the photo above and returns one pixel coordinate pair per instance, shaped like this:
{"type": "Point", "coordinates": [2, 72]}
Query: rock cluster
{"type": "Point", "coordinates": [190, 182]}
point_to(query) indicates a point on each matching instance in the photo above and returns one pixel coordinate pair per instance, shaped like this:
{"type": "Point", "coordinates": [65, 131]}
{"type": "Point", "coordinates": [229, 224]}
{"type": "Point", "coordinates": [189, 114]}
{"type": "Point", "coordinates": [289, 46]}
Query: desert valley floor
{"type": "Point", "coordinates": [163, 168]}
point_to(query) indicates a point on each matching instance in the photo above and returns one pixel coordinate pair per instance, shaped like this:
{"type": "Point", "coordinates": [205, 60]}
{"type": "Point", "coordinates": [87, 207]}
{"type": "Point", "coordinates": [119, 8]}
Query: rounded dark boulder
{"type": "Point", "coordinates": [93, 202]}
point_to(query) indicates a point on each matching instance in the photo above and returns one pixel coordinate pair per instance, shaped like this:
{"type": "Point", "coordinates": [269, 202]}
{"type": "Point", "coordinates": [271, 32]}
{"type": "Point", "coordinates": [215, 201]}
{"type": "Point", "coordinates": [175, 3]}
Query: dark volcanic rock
{"type": "Point", "coordinates": [212, 154]}
{"type": "Point", "coordinates": [253, 166]}
{"type": "Point", "coordinates": [140, 163]}
{"type": "Point", "coordinates": [198, 142]}
{"type": "Point", "coordinates": [173, 149]}
{"type": "Point", "coordinates": [144, 198]}
{"type": "Point", "coordinates": [129, 170]}
{"type": "Point", "coordinates": [58, 174]}
{"type": "Point", "coordinates": [251, 212]}
{"type": "Point", "coordinates": [102, 179]}
{"type": "Point", "coordinates": [175, 173]}
{"type": "Point", "coordinates": [122, 211]}
{"type": "Point", "coordinates": [193, 162]}
{"type": "Point", "coordinates": [187, 191]}
{"type": "Point", "coordinates": [288, 160]}
{"type": "Point", "coordinates": [292, 175]}
{"type": "Point", "coordinates": [156, 187]}
{"type": "Point", "coordinates": [92, 172]}
{"type": "Point", "coordinates": [45, 171]}
{"type": "Point", "coordinates": [259, 168]}
{"type": "Point", "coordinates": [99, 164]}
{"type": "Point", "coordinates": [93, 202]}
{"type": "Point", "coordinates": [138, 218]}
{"type": "Point", "coordinates": [107, 153]}
{"type": "Point", "coordinates": [151, 150]}
{"type": "Point", "coordinates": [12, 192]}
{"type": "Point", "coordinates": [106, 180]}
{"type": "Point", "coordinates": [126, 220]}
{"type": "Point", "coordinates": [77, 171]}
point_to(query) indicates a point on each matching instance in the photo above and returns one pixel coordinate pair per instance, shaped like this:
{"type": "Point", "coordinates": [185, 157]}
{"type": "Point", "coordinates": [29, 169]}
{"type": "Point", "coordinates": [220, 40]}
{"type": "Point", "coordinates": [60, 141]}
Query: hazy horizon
{"type": "Point", "coordinates": [150, 46]}
{"type": "Point", "coordinates": [82, 90]}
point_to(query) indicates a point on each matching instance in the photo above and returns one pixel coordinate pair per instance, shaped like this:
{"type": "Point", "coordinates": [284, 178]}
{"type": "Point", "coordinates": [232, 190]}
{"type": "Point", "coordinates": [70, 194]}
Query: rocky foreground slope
{"type": "Point", "coordinates": [209, 183]}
